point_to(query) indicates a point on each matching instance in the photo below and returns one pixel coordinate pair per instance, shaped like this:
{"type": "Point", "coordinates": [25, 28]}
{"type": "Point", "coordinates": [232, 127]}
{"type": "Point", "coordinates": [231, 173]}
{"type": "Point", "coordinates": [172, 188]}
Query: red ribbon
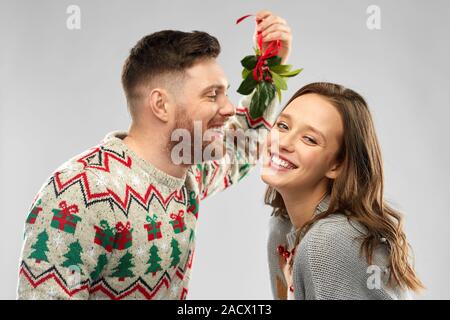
{"type": "Point", "coordinates": [121, 228]}
{"type": "Point", "coordinates": [178, 216]}
{"type": "Point", "coordinates": [271, 51]}
{"type": "Point", "coordinates": [67, 210]}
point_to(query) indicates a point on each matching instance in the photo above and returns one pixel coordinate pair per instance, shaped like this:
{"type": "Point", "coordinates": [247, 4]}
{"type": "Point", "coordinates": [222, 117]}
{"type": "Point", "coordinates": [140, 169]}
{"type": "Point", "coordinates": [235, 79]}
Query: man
{"type": "Point", "coordinates": [118, 221]}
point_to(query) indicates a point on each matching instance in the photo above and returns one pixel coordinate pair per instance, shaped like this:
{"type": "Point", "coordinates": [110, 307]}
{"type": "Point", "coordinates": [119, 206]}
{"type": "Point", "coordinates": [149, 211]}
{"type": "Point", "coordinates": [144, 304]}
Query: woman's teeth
{"type": "Point", "coordinates": [282, 163]}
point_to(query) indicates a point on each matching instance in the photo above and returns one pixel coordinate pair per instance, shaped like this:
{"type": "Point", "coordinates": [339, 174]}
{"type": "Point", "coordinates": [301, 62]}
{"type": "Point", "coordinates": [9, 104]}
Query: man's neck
{"type": "Point", "coordinates": [301, 205]}
{"type": "Point", "coordinates": [154, 150]}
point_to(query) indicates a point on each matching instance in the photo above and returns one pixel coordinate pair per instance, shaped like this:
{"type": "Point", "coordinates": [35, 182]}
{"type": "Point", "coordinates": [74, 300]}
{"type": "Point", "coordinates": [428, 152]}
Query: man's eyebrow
{"type": "Point", "coordinates": [215, 86]}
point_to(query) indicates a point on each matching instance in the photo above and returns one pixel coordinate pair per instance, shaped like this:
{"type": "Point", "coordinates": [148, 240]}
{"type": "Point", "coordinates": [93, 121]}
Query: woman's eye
{"type": "Point", "coordinates": [310, 140]}
{"type": "Point", "coordinates": [282, 125]}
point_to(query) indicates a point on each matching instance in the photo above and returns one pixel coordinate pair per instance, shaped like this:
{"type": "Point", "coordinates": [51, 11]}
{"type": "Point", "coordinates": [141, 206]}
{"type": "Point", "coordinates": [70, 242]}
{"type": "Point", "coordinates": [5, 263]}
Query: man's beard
{"type": "Point", "coordinates": [197, 145]}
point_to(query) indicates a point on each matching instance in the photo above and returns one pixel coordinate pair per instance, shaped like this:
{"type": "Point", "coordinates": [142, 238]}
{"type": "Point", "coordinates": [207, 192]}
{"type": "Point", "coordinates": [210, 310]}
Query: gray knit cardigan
{"type": "Point", "coordinates": [328, 263]}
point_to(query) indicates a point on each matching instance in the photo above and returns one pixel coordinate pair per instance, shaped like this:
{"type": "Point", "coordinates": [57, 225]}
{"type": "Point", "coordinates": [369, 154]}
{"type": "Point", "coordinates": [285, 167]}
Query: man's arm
{"type": "Point", "coordinates": [250, 134]}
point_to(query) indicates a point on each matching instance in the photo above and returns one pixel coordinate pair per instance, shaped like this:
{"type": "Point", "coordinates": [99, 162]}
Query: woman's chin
{"type": "Point", "coordinates": [272, 177]}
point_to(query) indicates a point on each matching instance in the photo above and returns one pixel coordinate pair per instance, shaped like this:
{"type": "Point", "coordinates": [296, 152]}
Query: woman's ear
{"type": "Point", "coordinates": [157, 104]}
{"type": "Point", "coordinates": [334, 171]}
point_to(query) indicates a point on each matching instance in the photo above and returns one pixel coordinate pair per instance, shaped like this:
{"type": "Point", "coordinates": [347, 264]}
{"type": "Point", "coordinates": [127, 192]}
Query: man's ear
{"type": "Point", "coordinates": [157, 103]}
{"type": "Point", "coordinates": [334, 171]}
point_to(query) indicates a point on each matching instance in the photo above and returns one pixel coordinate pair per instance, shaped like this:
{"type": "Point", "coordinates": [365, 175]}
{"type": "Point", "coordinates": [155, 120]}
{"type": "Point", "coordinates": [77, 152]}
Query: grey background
{"type": "Point", "coordinates": [60, 93]}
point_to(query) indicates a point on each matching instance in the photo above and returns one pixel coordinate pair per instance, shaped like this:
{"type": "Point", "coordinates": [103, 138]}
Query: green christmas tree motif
{"type": "Point", "coordinates": [154, 261]}
{"type": "Point", "coordinates": [101, 263]}
{"type": "Point", "coordinates": [73, 256]}
{"type": "Point", "coordinates": [175, 253]}
{"type": "Point", "coordinates": [40, 248]}
{"type": "Point", "coordinates": [123, 270]}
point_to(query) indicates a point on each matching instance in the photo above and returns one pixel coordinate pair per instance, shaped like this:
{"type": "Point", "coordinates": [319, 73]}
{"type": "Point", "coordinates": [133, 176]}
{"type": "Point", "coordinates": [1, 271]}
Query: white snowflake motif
{"type": "Point", "coordinates": [52, 292]}
{"type": "Point", "coordinates": [101, 180]}
{"type": "Point", "coordinates": [70, 167]}
{"type": "Point", "coordinates": [164, 247]}
{"type": "Point", "coordinates": [184, 239]}
{"type": "Point", "coordinates": [117, 183]}
{"type": "Point", "coordinates": [119, 172]}
{"type": "Point", "coordinates": [136, 181]}
{"type": "Point", "coordinates": [140, 251]}
{"type": "Point", "coordinates": [29, 233]}
{"type": "Point", "coordinates": [58, 239]}
{"type": "Point", "coordinates": [91, 253]}
{"type": "Point", "coordinates": [175, 289]}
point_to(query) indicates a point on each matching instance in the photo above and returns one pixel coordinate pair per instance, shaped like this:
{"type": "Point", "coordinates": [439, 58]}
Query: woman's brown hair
{"type": "Point", "coordinates": [358, 190]}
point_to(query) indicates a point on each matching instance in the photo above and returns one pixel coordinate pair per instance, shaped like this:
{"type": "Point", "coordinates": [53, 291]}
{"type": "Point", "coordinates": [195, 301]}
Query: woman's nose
{"type": "Point", "coordinates": [286, 142]}
{"type": "Point", "coordinates": [280, 141]}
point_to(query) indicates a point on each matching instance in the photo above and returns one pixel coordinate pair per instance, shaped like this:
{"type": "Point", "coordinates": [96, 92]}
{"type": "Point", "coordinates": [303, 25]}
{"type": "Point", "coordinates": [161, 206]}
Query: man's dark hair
{"type": "Point", "coordinates": [164, 52]}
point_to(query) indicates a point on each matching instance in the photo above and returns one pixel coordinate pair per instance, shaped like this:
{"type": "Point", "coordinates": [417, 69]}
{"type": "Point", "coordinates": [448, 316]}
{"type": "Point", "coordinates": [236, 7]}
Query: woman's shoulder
{"type": "Point", "coordinates": [335, 238]}
{"type": "Point", "coordinates": [337, 227]}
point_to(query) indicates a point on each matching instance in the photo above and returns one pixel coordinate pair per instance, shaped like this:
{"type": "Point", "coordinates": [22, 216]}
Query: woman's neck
{"type": "Point", "coordinates": [301, 205]}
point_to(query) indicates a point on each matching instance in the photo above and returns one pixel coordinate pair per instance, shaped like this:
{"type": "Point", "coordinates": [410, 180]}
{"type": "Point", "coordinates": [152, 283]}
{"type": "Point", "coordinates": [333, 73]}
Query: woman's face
{"type": "Point", "coordinates": [303, 145]}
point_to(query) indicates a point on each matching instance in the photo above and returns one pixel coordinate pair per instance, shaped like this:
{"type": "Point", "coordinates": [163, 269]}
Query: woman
{"type": "Point", "coordinates": [332, 234]}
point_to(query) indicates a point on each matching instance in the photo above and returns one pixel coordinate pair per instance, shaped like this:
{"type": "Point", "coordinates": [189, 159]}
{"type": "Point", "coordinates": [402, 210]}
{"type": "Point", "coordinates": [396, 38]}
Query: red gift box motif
{"type": "Point", "coordinates": [64, 218]}
{"type": "Point", "coordinates": [34, 212]}
{"type": "Point", "coordinates": [153, 228]}
{"type": "Point", "coordinates": [193, 204]}
{"type": "Point", "coordinates": [123, 238]}
{"type": "Point", "coordinates": [104, 235]}
{"type": "Point", "coordinates": [178, 222]}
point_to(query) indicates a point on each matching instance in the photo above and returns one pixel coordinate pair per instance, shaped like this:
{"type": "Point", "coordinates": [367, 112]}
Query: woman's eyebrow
{"type": "Point", "coordinates": [287, 116]}
{"type": "Point", "coordinates": [309, 127]}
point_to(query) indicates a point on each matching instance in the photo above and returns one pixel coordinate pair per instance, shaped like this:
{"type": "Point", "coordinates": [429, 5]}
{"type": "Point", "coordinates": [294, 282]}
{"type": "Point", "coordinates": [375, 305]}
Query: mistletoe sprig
{"type": "Point", "coordinates": [264, 72]}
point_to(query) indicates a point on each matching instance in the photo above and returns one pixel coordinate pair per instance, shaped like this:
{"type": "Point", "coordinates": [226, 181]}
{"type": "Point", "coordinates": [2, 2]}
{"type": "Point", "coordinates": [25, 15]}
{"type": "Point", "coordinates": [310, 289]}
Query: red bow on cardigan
{"type": "Point", "coordinates": [178, 216]}
{"type": "Point", "coordinates": [67, 210]}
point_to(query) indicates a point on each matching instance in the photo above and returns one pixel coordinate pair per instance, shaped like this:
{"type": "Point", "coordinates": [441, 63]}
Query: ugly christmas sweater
{"type": "Point", "coordinates": [109, 225]}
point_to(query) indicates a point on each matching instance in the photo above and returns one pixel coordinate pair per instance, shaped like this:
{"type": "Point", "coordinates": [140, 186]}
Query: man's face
{"type": "Point", "coordinates": [203, 105]}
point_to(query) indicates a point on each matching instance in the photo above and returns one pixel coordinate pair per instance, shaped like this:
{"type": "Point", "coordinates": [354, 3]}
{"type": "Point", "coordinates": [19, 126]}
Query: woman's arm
{"type": "Point", "coordinates": [278, 229]}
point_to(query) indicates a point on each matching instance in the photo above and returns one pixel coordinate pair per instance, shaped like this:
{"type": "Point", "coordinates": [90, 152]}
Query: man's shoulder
{"type": "Point", "coordinates": [87, 170]}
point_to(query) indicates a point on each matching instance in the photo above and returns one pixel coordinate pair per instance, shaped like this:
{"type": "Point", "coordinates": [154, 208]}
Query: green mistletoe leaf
{"type": "Point", "coordinates": [278, 93]}
{"type": "Point", "coordinates": [282, 68]}
{"type": "Point", "coordinates": [245, 73]}
{"type": "Point", "coordinates": [274, 61]}
{"type": "Point", "coordinates": [248, 85]}
{"type": "Point", "coordinates": [265, 92]}
{"type": "Point", "coordinates": [271, 90]}
{"type": "Point", "coordinates": [249, 62]}
{"type": "Point", "coordinates": [291, 73]}
{"type": "Point", "coordinates": [278, 80]}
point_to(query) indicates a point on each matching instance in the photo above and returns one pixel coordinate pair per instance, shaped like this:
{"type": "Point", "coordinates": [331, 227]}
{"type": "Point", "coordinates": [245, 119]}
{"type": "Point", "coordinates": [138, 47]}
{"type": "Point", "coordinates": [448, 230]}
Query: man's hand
{"type": "Point", "coordinates": [274, 28]}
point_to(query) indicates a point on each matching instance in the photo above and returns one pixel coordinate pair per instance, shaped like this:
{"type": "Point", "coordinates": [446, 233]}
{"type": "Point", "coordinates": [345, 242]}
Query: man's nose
{"type": "Point", "coordinates": [227, 109]}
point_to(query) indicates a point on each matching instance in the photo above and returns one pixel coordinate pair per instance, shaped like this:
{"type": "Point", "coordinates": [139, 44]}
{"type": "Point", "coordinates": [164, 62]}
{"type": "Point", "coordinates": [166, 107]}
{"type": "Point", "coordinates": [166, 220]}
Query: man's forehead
{"type": "Point", "coordinates": [208, 74]}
